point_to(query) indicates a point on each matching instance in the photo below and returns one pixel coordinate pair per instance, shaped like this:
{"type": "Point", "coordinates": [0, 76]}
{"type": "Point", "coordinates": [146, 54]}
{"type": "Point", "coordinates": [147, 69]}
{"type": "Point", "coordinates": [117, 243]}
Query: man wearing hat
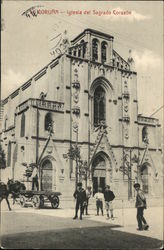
{"type": "Point", "coordinates": [80, 196]}
{"type": "Point", "coordinates": [140, 205]}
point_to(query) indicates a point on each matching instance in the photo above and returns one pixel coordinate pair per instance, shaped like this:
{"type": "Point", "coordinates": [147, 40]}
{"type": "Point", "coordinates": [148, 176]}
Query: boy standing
{"type": "Point", "coordinates": [99, 200]}
{"type": "Point", "coordinates": [109, 197]}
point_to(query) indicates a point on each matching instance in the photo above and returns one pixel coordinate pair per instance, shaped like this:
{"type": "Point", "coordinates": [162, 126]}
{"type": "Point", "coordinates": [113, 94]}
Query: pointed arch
{"type": "Point", "coordinates": [102, 81]}
{"type": "Point", "coordinates": [48, 173]}
{"type": "Point", "coordinates": [101, 171]}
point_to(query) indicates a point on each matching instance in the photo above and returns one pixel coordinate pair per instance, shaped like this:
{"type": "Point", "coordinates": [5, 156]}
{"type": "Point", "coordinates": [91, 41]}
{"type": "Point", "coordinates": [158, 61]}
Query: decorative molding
{"type": "Point", "coordinates": [40, 75]}
{"type": "Point", "coordinates": [76, 85]}
{"type": "Point", "coordinates": [76, 110]}
{"type": "Point", "coordinates": [26, 85]}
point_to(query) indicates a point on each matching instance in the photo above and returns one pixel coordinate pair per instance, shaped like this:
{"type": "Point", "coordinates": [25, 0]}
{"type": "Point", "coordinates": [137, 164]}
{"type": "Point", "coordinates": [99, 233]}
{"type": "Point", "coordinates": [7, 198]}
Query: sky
{"type": "Point", "coordinates": [26, 45]}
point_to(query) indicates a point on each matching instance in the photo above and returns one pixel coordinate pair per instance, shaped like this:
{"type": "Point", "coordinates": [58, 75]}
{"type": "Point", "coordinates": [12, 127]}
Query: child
{"type": "Point", "coordinates": [99, 200]}
{"type": "Point", "coordinates": [109, 197]}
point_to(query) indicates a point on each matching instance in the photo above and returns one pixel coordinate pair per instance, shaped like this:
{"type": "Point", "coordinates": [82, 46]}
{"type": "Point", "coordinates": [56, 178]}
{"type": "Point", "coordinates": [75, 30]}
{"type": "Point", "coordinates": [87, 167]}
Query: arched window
{"type": "Point", "coordinates": [144, 178]}
{"type": "Point", "coordinates": [103, 52]}
{"type": "Point", "coordinates": [145, 134]}
{"type": "Point", "coordinates": [9, 154]}
{"type": "Point", "coordinates": [99, 106]}
{"type": "Point", "coordinates": [94, 49]}
{"type": "Point", "coordinates": [79, 52]}
{"type": "Point", "coordinates": [83, 48]}
{"type": "Point", "coordinates": [74, 52]}
{"type": "Point", "coordinates": [48, 122]}
{"type": "Point", "coordinates": [22, 131]}
{"type": "Point", "coordinates": [5, 124]}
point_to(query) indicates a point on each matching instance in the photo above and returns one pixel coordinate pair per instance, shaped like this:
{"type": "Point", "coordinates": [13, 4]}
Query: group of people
{"type": "Point", "coordinates": [82, 197]}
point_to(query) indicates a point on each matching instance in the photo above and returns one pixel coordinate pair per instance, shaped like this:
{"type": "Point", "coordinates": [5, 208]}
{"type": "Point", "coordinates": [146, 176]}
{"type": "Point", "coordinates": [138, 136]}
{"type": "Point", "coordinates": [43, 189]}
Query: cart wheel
{"type": "Point", "coordinates": [22, 201]}
{"type": "Point", "coordinates": [55, 202]}
{"type": "Point", "coordinates": [36, 201]}
{"type": "Point", "coordinates": [41, 201]}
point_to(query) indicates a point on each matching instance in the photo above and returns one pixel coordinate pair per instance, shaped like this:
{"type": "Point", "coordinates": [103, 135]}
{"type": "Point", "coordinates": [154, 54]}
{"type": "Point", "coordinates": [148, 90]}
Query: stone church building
{"type": "Point", "coordinates": [87, 98]}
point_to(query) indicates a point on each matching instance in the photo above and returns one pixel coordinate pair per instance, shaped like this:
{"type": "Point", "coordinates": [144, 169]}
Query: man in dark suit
{"type": "Point", "coordinates": [140, 205]}
{"type": "Point", "coordinates": [80, 196]}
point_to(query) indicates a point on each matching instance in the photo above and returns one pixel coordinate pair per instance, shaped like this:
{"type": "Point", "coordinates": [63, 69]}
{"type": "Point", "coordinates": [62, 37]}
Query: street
{"type": "Point", "coordinates": [55, 229]}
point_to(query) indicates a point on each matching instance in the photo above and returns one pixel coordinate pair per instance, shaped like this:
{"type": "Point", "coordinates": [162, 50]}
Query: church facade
{"type": "Point", "coordinates": [85, 98]}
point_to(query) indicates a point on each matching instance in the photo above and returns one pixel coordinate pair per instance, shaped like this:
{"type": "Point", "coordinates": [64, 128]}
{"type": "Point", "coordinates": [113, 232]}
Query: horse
{"type": "Point", "coordinates": [13, 187]}
{"type": "Point", "coordinates": [4, 193]}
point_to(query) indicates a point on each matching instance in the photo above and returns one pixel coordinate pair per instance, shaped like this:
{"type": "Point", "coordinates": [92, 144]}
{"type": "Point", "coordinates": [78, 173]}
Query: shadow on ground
{"type": "Point", "coordinates": [79, 238]}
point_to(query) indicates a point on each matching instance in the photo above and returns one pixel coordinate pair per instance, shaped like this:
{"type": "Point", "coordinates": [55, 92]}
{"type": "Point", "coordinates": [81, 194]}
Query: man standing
{"type": "Point", "coordinates": [35, 178]}
{"type": "Point", "coordinates": [80, 196]}
{"type": "Point", "coordinates": [140, 205]}
{"type": "Point", "coordinates": [109, 197]}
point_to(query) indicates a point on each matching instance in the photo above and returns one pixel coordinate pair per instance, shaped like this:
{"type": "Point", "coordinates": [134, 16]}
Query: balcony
{"type": "Point", "coordinates": [41, 104]}
{"type": "Point", "coordinates": [147, 120]}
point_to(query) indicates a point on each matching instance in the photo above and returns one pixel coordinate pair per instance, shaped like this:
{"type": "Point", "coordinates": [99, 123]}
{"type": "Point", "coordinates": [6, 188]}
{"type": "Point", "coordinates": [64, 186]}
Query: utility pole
{"type": "Point", "coordinates": [76, 170]}
{"type": "Point", "coordinates": [37, 144]}
{"type": "Point", "coordinates": [130, 175]}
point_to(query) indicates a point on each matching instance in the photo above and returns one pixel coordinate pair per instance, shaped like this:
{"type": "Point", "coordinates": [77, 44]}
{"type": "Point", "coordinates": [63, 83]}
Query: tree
{"type": "Point", "coordinates": [2, 158]}
{"type": "Point", "coordinates": [29, 169]}
{"type": "Point", "coordinates": [128, 161]}
{"type": "Point", "coordinates": [81, 170]}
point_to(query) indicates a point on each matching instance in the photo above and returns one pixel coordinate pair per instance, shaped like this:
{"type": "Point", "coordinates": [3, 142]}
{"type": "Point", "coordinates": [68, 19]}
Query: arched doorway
{"type": "Point", "coordinates": [46, 175]}
{"type": "Point", "coordinates": [99, 173]}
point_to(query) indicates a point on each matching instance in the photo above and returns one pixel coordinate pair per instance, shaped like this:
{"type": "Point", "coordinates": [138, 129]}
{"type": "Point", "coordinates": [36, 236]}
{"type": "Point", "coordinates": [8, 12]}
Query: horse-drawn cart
{"type": "Point", "coordinates": [39, 198]}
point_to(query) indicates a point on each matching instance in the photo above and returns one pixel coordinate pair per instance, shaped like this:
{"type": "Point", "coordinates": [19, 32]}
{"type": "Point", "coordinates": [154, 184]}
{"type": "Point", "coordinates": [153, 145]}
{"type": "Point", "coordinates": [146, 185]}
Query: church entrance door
{"type": "Point", "coordinates": [99, 174]}
{"type": "Point", "coordinates": [46, 175]}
